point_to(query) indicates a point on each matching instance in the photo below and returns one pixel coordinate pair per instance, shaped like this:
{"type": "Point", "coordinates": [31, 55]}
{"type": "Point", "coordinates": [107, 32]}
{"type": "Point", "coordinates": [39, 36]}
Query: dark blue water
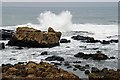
{"type": "Point", "coordinates": [12, 16]}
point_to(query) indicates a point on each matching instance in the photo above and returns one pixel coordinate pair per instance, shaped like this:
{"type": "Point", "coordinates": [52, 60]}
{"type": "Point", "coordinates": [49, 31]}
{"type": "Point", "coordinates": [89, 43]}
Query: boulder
{"type": "Point", "coordinates": [30, 37]}
{"type": "Point", "coordinates": [64, 41]}
{"type": "Point", "coordinates": [55, 58]}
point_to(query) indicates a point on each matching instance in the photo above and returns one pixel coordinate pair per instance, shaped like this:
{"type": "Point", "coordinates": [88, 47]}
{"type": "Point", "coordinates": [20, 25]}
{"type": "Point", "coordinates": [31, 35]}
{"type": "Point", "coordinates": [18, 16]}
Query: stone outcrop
{"type": "Point", "coordinates": [105, 74]}
{"type": "Point", "coordinates": [97, 56]}
{"type": "Point", "coordinates": [6, 34]}
{"type": "Point", "coordinates": [35, 71]}
{"type": "Point", "coordinates": [92, 40]}
{"type": "Point", "coordinates": [85, 39]}
{"type": "Point", "coordinates": [30, 37]}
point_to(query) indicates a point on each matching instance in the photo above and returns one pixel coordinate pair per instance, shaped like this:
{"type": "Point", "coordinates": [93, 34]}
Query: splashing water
{"type": "Point", "coordinates": [61, 22]}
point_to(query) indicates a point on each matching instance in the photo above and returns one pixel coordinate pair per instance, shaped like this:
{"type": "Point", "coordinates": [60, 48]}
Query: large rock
{"type": "Point", "coordinates": [30, 37]}
{"type": "Point", "coordinates": [35, 71]}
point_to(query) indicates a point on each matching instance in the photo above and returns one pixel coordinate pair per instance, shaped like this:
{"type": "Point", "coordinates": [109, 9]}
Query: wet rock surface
{"type": "Point", "coordinates": [92, 40]}
{"type": "Point", "coordinates": [30, 37]}
{"type": "Point", "coordinates": [97, 56]}
{"type": "Point", "coordinates": [64, 41]}
{"type": "Point", "coordinates": [6, 34]}
{"type": "Point", "coordinates": [35, 71]}
{"type": "Point", "coordinates": [2, 46]}
{"type": "Point", "coordinates": [44, 53]}
{"type": "Point", "coordinates": [55, 58]}
{"type": "Point", "coordinates": [85, 39]}
{"type": "Point", "coordinates": [104, 74]}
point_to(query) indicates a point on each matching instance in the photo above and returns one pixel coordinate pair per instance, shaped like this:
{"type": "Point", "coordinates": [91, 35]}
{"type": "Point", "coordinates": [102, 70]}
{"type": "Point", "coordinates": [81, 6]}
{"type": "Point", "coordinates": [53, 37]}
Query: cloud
{"type": "Point", "coordinates": [60, 0]}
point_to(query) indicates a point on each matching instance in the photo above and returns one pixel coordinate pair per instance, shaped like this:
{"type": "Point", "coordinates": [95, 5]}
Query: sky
{"type": "Point", "coordinates": [58, 4]}
{"type": "Point", "coordinates": [60, 0]}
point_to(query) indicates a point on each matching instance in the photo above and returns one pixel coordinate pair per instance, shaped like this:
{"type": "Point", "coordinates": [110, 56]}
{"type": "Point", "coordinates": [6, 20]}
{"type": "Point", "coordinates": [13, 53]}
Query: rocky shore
{"type": "Point", "coordinates": [35, 71]}
{"type": "Point", "coordinates": [92, 40]}
{"type": "Point", "coordinates": [105, 74]}
{"type": "Point", "coordinates": [25, 37]}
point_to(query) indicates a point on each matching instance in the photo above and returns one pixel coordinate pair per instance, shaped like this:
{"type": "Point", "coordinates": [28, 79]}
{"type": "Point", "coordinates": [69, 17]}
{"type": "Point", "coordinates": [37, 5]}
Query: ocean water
{"type": "Point", "coordinates": [98, 22]}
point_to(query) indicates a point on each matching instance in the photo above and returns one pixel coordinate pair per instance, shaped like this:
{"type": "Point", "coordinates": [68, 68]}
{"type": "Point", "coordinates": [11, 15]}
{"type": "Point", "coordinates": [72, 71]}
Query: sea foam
{"type": "Point", "coordinates": [63, 22]}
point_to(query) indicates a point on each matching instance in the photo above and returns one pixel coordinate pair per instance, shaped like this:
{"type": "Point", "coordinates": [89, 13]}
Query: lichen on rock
{"type": "Point", "coordinates": [30, 37]}
{"type": "Point", "coordinates": [35, 71]}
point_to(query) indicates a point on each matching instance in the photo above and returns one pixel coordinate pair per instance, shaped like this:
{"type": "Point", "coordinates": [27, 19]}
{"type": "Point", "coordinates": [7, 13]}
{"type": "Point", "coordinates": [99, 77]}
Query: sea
{"type": "Point", "coordinates": [98, 20]}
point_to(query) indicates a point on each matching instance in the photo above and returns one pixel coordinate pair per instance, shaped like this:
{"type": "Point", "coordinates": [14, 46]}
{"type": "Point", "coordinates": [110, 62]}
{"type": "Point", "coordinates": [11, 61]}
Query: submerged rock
{"type": "Point", "coordinates": [64, 41]}
{"type": "Point", "coordinates": [35, 71]}
{"type": "Point", "coordinates": [30, 37]}
{"type": "Point", "coordinates": [44, 53]}
{"type": "Point", "coordinates": [55, 58]}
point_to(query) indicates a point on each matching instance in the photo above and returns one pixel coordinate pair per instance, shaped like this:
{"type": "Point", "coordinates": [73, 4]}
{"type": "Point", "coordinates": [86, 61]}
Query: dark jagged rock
{"type": "Point", "coordinates": [85, 39]}
{"type": "Point", "coordinates": [12, 59]}
{"type": "Point", "coordinates": [2, 46]}
{"type": "Point", "coordinates": [95, 70]}
{"type": "Point", "coordinates": [109, 41]}
{"type": "Point", "coordinates": [80, 54]}
{"type": "Point", "coordinates": [6, 34]}
{"type": "Point", "coordinates": [87, 72]}
{"type": "Point", "coordinates": [19, 47]}
{"type": "Point", "coordinates": [92, 40]}
{"type": "Point", "coordinates": [44, 53]}
{"type": "Point", "coordinates": [57, 64]}
{"type": "Point", "coordinates": [112, 57]}
{"type": "Point", "coordinates": [54, 58]}
{"type": "Point", "coordinates": [114, 41]}
{"type": "Point", "coordinates": [74, 69]}
{"type": "Point", "coordinates": [30, 37]}
{"type": "Point", "coordinates": [66, 64]}
{"type": "Point", "coordinates": [81, 68]}
{"type": "Point", "coordinates": [97, 56]}
{"type": "Point", "coordinates": [35, 71]}
{"type": "Point", "coordinates": [105, 74]}
{"type": "Point", "coordinates": [77, 62]}
{"type": "Point", "coordinates": [105, 42]}
{"type": "Point", "coordinates": [64, 41]}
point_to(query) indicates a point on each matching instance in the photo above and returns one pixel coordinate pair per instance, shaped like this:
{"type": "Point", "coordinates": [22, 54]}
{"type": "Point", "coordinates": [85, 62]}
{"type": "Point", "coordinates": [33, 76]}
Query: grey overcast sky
{"type": "Point", "coordinates": [60, 0]}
